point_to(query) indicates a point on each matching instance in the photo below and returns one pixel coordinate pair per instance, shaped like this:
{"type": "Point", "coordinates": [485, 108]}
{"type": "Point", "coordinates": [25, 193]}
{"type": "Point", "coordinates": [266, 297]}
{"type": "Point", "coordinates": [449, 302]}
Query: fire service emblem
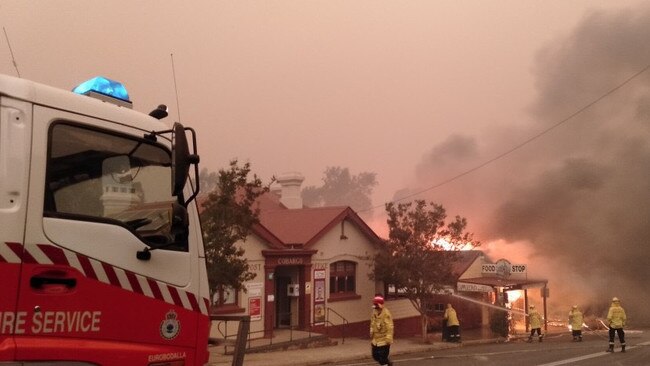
{"type": "Point", "coordinates": [170, 327]}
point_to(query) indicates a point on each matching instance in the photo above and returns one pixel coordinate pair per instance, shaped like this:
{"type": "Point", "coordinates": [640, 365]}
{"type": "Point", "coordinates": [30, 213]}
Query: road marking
{"type": "Point", "coordinates": [586, 357]}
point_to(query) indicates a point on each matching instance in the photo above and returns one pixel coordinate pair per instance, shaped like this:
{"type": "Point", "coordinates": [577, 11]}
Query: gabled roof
{"type": "Point", "coordinates": [305, 226]}
{"type": "Point", "coordinates": [460, 260]}
{"type": "Point", "coordinates": [464, 260]}
{"type": "Point", "coordinates": [284, 228]}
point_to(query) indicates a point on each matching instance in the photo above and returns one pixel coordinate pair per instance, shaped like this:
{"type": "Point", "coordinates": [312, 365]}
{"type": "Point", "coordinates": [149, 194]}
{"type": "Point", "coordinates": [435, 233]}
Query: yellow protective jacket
{"type": "Point", "coordinates": [576, 319]}
{"type": "Point", "coordinates": [451, 317]}
{"type": "Point", "coordinates": [381, 327]}
{"type": "Point", "coordinates": [616, 316]}
{"type": "Point", "coordinates": [535, 319]}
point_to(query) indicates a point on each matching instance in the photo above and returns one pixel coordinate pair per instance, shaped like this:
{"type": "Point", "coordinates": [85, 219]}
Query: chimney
{"type": "Point", "coordinates": [290, 189]}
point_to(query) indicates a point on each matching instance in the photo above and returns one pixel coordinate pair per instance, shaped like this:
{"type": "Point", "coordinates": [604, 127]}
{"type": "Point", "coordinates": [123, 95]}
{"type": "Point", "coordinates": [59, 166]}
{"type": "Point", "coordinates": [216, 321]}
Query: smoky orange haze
{"type": "Point", "coordinates": [574, 203]}
{"type": "Point", "coordinates": [417, 91]}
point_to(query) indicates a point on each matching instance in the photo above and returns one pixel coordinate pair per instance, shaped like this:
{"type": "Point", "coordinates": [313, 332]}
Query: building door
{"type": "Point", "coordinates": [283, 302]}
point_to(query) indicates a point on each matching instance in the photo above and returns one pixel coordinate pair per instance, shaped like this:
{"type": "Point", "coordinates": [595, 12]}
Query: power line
{"type": "Point", "coordinates": [13, 59]}
{"type": "Point", "coordinates": [178, 105]}
{"type": "Point", "coordinates": [522, 144]}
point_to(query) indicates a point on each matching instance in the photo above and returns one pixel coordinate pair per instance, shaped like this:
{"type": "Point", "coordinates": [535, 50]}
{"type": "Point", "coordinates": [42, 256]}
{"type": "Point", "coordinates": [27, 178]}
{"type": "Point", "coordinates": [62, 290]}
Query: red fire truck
{"type": "Point", "coordinates": [101, 255]}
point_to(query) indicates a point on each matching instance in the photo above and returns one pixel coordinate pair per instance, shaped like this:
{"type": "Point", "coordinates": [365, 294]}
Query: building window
{"type": "Point", "coordinates": [224, 296]}
{"type": "Point", "coordinates": [343, 277]}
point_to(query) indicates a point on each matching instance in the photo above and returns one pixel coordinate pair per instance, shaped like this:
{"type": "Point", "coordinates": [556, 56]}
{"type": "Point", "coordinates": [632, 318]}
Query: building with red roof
{"type": "Point", "coordinates": [312, 269]}
{"type": "Point", "coordinates": [312, 265]}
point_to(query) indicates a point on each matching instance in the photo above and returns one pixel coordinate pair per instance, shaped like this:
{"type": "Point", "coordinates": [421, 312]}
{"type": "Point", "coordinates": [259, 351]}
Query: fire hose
{"type": "Point", "coordinates": [595, 332]}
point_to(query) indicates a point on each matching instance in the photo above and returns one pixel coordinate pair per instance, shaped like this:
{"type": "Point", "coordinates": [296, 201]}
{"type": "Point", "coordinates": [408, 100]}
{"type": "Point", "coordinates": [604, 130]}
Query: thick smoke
{"type": "Point", "coordinates": [575, 202]}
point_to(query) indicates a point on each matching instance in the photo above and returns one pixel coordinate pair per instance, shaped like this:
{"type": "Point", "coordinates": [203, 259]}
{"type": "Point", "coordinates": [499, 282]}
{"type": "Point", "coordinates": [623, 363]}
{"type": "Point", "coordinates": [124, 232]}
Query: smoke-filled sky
{"type": "Point", "coordinates": [418, 92]}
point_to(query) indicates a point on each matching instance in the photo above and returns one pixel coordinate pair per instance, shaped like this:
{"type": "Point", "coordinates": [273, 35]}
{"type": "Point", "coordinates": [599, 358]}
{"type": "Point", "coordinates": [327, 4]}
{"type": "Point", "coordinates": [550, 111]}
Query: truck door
{"type": "Point", "coordinates": [103, 195]}
{"type": "Point", "coordinates": [15, 125]}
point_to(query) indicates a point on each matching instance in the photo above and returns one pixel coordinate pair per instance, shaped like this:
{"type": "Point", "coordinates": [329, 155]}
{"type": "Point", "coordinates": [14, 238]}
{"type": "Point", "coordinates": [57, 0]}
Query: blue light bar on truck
{"type": "Point", "coordinates": [105, 89]}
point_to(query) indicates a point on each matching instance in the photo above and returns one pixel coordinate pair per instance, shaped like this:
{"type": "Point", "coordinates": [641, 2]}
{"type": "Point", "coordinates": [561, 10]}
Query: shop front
{"type": "Point", "coordinates": [287, 288]}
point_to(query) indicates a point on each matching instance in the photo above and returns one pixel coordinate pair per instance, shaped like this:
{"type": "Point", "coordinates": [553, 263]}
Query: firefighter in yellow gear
{"type": "Point", "coordinates": [535, 320]}
{"type": "Point", "coordinates": [576, 319]}
{"type": "Point", "coordinates": [452, 323]}
{"type": "Point", "coordinates": [381, 331]}
{"type": "Point", "coordinates": [616, 320]}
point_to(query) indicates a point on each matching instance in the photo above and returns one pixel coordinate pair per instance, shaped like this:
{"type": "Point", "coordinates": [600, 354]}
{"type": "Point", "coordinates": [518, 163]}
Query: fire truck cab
{"type": "Point", "coordinates": [101, 254]}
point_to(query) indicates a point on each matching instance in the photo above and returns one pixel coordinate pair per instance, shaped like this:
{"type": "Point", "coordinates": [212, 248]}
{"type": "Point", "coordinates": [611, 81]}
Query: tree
{"type": "Point", "coordinates": [340, 188]}
{"type": "Point", "coordinates": [227, 218]}
{"type": "Point", "coordinates": [412, 260]}
{"type": "Point", "coordinates": [208, 180]}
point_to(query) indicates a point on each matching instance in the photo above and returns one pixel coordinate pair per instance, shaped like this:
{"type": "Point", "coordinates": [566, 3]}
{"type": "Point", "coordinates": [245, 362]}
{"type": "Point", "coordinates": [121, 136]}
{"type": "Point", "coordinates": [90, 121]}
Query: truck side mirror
{"type": "Point", "coordinates": [180, 165]}
{"type": "Point", "coordinates": [181, 159]}
{"type": "Point", "coordinates": [180, 224]}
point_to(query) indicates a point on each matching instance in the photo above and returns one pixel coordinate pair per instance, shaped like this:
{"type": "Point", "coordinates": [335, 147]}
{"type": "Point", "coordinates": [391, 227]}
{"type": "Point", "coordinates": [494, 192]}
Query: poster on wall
{"type": "Point", "coordinates": [319, 296]}
{"type": "Point", "coordinates": [254, 288]}
{"type": "Point", "coordinates": [319, 314]}
{"type": "Point", "coordinates": [255, 308]}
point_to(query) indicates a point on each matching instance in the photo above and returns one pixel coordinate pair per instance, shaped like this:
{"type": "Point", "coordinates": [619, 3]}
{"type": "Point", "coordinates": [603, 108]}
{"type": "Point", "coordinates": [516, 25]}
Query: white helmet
{"type": "Point", "coordinates": [615, 299]}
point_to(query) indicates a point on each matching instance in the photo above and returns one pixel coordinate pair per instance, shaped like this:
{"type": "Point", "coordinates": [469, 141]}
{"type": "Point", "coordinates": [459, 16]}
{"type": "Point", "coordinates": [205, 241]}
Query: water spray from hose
{"type": "Point", "coordinates": [487, 304]}
{"type": "Point", "coordinates": [594, 331]}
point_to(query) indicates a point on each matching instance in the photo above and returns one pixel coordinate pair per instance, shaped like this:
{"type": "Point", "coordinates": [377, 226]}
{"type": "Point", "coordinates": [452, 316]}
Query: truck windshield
{"type": "Point", "coordinates": [102, 176]}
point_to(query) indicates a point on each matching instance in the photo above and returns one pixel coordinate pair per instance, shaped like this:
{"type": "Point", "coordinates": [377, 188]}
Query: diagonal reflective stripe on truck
{"type": "Point", "coordinates": [103, 272]}
{"type": "Point", "coordinates": [12, 251]}
{"type": "Point", "coordinates": [7, 255]}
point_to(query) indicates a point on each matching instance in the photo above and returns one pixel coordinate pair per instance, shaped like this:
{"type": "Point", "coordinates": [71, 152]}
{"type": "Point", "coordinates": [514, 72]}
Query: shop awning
{"type": "Point", "coordinates": [483, 283]}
